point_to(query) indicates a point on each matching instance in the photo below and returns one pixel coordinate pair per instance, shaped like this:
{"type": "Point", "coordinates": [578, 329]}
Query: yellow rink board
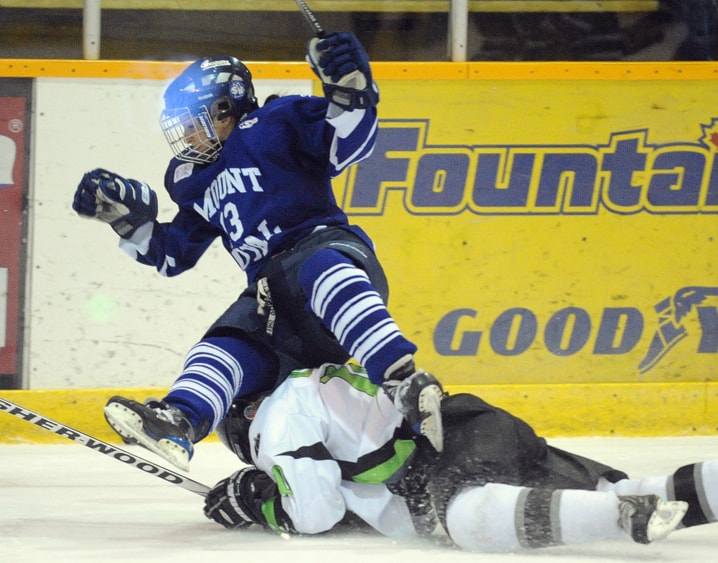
{"type": "Point", "coordinates": [658, 409]}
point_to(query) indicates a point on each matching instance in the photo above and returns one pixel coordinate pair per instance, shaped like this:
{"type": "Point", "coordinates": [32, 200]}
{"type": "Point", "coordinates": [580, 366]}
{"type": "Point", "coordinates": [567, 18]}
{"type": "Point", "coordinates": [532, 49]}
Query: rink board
{"type": "Point", "coordinates": [548, 230]}
{"type": "Point", "coordinates": [628, 410]}
{"type": "Point", "coordinates": [552, 230]}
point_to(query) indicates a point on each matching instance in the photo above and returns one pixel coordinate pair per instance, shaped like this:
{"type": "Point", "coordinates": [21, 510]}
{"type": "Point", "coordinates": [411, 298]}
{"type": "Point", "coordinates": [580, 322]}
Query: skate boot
{"type": "Point", "coordinates": [417, 395]}
{"type": "Point", "coordinates": [160, 428]}
{"type": "Point", "coordinates": [648, 518]}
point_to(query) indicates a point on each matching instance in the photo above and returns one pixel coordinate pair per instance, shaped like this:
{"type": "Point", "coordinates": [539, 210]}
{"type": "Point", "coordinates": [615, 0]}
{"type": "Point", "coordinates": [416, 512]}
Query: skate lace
{"type": "Point", "coordinates": [170, 415]}
{"type": "Point", "coordinates": [164, 412]}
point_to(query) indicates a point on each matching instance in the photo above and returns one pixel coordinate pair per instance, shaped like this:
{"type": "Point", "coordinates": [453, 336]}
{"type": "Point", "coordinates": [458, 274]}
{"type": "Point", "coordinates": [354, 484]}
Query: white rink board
{"type": "Point", "coordinates": [97, 319]}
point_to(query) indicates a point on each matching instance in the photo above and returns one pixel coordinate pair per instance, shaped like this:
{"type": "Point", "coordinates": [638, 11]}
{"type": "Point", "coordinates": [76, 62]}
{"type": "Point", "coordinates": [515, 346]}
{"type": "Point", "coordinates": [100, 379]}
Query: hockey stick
{"type": "Point", "coordinates": [103, 447]}
{"type": "Point", "coordinates": [311, 18]}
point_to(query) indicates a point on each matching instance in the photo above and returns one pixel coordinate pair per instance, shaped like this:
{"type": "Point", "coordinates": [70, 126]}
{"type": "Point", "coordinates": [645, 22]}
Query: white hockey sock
{"type": "Point", "coordinates": [588, 516]}
{"type": "Point", "coordinates": [655, 485]}
{"type": "Point", "coordinates": [496, 517]}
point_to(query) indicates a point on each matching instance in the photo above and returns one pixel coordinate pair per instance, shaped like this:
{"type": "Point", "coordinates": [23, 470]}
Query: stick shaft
{"type": "Point", "coordinates": [311, 18]}
{"type": "Point", "coordinates": [102, 447]}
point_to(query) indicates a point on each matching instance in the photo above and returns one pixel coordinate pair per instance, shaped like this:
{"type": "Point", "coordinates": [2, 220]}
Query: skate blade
{"type": "Point", "coordinates": [128, 424]}
{"type": "Point", "coordinates": [667, 516]}
{"type": "Point", "coordinates": [431, 426]}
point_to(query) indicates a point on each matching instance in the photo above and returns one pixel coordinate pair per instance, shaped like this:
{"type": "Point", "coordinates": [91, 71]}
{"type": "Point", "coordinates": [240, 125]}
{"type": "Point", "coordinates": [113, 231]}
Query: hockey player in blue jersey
{"type": "Point", "coordinates": [259, 178]}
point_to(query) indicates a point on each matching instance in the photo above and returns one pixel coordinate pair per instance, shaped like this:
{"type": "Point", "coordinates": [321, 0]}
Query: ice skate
{"type": "Point", "coordinates": [156, 426]}
{"type": "Point", "coordinates": [649, 518]}
{"type": "Point", "coordinates": [417, 395]}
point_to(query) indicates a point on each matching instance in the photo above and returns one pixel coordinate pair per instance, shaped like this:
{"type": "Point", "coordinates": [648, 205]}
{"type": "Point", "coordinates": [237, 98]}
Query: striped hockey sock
{"type": "Point", "coordinates": [501, 518]}
{"type": "Point", "coordinates": [697, 484]}
{"type": "Point", "coordinates": [215, 371]}
{"type": "Point", "coordinates": [342, 296]}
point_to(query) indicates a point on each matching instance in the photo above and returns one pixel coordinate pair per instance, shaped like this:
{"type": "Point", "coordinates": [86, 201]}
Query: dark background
{"type": "Point", "coordinates": [679, 30]}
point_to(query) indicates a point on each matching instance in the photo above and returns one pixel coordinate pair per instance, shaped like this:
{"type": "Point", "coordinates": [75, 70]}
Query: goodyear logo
{"type": "Point", "coordinates": [625, 174]}
{"type": "Point", "coordinates": [571, 329]}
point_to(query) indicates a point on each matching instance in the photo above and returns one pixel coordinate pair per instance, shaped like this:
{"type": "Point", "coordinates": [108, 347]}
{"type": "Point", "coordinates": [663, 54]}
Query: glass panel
{"type": "Point", "coordinates": [391, 30]}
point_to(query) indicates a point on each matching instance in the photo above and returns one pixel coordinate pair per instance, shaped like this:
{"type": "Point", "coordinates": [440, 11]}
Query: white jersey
{"type": "Point", "coordinates": [331, 436]}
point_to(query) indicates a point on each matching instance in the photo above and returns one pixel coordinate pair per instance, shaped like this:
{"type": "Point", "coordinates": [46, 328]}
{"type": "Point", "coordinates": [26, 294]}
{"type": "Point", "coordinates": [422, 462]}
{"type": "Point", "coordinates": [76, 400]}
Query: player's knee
{"type": "Point", "coordinates": [482, 518]}
{"type": "Point", "coordinates": [313, 267]}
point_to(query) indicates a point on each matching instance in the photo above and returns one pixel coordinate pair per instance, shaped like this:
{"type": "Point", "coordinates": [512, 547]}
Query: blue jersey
{"type": "Point", "coordinates": [269, 188]}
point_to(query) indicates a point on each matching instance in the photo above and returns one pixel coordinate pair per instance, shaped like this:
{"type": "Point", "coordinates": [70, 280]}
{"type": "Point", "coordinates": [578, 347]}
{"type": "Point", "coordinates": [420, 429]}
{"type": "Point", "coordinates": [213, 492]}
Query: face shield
{"type": "Point", "coordinates": [205, 94]}
{"type": "Point", "coordinates": [191, 137]}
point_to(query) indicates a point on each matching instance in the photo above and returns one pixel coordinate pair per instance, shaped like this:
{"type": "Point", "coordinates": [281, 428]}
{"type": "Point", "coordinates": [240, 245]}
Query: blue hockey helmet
{"type": "Point", "coordinates": [209, 90]}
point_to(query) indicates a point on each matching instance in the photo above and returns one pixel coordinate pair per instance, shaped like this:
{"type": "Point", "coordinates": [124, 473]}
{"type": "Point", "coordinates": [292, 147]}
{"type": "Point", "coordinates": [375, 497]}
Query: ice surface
{"type": "Point", "coordinates": [63, 503]}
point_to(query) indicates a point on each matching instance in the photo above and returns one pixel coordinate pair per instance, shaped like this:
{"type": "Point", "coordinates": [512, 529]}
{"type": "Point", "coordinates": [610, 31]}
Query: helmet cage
{"type": "Point", "coordinates": [209, 90]}
{"type": "Point", "coordinates": [191, 136]}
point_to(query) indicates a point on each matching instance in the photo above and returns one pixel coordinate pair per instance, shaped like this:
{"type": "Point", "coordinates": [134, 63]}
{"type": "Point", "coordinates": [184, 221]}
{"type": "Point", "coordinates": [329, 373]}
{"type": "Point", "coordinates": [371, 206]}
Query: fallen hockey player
{"type": "Point", "coordinates": [328, 446]}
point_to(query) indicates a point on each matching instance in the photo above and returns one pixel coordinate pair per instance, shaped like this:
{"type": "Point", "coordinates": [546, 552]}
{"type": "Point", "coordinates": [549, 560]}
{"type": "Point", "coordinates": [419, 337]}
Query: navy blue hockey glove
{"type": "Point", "coordinates": [341, 63]}
{"type": "Point", "coordinates": [124, 204]}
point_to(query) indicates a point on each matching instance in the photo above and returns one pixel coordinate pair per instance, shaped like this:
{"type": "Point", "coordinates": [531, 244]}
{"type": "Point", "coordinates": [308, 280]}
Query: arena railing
{"type": "Point", "coordinates": [458, 11]}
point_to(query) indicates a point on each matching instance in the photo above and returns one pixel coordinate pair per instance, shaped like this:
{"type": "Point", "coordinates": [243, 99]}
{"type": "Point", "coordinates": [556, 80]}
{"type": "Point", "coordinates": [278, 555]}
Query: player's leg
{"type": "Point", "coordinates": [216, 369]}
{"type": "Point", "coordinates": [696, 483]}
{"type": "Point", "coordinates": [342, 295]}
{"type": "Point", "coordinates": [499, 518]}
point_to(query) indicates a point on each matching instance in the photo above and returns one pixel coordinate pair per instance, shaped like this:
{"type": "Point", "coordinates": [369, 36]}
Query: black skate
{"type": "Point", "coordinates": [417, 395]}
{"type": "Point", "coordinates": [648, 518]}
{"type": "Point", "coordinates": [156, 426]}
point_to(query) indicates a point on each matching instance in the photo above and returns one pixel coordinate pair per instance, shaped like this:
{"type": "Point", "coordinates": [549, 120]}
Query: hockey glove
{"type": "Point", "coordinates": [341, 63]}
{"type": "Point", "coordinates": [247, 497]}
{"type": "Point", "coordinates": [124, 204]}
